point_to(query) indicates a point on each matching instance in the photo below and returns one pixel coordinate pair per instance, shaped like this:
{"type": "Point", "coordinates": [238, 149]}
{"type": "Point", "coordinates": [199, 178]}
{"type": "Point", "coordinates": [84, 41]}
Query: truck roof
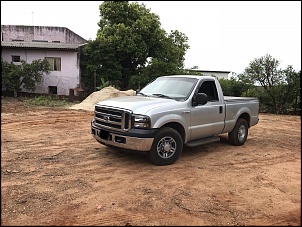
{"type": "Point", "coordinates": [192, 76]}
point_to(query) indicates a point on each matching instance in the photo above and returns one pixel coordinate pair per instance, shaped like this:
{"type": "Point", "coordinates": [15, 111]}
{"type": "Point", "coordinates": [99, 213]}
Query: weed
{"type": "Point", "coordinates": [45, 101]}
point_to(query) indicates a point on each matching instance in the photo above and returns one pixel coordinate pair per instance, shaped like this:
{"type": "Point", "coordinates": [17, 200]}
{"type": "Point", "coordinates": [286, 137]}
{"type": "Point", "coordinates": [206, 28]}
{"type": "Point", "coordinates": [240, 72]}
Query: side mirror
{"type": "Point", "coordinates": [201, 98]}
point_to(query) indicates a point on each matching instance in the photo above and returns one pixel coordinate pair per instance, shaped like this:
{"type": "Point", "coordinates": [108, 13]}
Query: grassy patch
{"type": "Point", "coordinates": [46, 101]}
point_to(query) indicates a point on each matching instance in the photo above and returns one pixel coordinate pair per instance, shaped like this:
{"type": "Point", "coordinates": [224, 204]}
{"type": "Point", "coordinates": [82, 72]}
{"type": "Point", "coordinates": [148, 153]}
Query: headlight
{"type": "Point", "coordinates": [140, 121]}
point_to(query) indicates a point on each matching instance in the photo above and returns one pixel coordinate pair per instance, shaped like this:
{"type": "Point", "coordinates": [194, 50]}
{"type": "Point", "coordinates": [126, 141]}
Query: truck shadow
{"type": "Point", "coordinates": [209, 148]}
{"type": "Point", "coordinates": [114, 155]}
{"type": "Point", "coordinates": [123, 155]}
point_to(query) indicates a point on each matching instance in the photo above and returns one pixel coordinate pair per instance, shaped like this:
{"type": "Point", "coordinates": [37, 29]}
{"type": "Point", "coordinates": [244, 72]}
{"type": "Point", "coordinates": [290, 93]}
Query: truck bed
{"type": "Point", "coordinates": [231, 99]}
{"type": "Point", "coordinates": [236, 105]}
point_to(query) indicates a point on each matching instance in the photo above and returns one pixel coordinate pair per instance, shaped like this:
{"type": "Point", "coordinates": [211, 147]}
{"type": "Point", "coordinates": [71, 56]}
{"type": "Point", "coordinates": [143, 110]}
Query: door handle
{"type": "Point", "coordinates": [220, 109]}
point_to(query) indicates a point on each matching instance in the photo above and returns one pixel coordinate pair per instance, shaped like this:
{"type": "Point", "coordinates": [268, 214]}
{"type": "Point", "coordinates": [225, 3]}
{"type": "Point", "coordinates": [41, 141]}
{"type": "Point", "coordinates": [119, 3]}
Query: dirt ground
{"type": "Point", "coordinates": [53, 172]}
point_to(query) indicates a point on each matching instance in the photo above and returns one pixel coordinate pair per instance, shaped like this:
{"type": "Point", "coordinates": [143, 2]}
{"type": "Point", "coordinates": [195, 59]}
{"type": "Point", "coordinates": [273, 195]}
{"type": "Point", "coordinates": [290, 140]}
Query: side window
{"type": "Point", "coordinates": [55, 63]}
{"type": "Point", "coordinates": [209, 88]}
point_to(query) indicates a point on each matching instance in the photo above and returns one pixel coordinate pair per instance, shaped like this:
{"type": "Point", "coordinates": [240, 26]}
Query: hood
{"type": "Point", "coordinates": [138, 104]}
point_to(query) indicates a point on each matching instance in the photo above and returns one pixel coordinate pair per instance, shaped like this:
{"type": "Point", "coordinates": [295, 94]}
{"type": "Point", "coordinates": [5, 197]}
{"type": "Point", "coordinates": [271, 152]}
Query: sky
{"type": "Point", "coordinates": [222, 35]}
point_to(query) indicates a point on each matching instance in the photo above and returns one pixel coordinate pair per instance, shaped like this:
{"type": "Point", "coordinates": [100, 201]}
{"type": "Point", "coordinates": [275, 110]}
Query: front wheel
{"type": "Point", "coordinates": [239, 133]}
{"type": "Point", "coordinates": [166, 148]}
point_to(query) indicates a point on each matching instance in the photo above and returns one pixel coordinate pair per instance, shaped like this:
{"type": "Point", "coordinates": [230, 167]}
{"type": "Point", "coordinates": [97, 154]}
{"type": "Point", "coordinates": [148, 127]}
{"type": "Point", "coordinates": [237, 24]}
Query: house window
{"type": "Point", "coordinates": [16, 58]}
{"type": "Point", "coordinates": [52, 89]}
{"type": "Point", "coordinates": [37, 40]}
{"type": "Point", "coordinates": [55, 63]}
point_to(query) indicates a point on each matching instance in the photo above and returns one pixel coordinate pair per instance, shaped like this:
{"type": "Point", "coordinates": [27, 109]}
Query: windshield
{"type": "Point", "coordinates": [178, 88]}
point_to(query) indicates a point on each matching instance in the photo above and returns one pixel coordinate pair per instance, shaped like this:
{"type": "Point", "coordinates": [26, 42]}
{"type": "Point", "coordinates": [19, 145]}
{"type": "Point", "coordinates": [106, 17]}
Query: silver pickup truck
{"type": "Point", "coordinates": [172, 112]}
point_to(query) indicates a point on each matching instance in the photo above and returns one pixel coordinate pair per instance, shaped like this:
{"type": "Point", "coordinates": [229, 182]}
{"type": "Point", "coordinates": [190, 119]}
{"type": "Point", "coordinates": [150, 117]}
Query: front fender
{"type": "Point", "coordinates": [168, 119]}
{"type": "Point", "coordinates": [183, 120]}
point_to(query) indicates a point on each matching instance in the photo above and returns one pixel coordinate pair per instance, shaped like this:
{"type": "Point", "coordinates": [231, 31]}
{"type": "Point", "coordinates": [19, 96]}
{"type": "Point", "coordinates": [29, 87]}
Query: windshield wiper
{"type": "Point", "coordinates": [162, 96]}
{"type": "Point", "coordinates": [140, 93]}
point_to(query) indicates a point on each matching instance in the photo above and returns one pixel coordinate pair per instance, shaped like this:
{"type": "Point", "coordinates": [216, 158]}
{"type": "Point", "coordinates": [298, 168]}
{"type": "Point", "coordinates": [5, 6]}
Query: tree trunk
{"type": "Point", "coordinates": [296, 104]}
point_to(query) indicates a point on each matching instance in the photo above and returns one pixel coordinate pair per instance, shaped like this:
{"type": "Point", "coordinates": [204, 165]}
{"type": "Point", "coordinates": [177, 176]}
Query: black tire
{"type": "Point", "coordinates": [239, 133]}
{"type": "Point", "coordinates": [166, 148]}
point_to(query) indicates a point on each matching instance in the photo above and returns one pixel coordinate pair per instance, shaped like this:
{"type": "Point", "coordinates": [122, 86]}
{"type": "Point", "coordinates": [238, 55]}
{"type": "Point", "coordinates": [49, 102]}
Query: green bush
{"type": "Point", "coordinates": [45, 101]}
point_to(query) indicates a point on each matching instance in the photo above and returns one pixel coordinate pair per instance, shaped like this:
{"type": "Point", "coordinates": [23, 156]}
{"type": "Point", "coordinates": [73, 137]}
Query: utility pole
{"type": "Point", "coordinates": [32, 18]}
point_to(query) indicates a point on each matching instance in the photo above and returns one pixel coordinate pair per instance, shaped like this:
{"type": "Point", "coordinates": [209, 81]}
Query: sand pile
{"type": "Point", "coordinates": [95, 97]}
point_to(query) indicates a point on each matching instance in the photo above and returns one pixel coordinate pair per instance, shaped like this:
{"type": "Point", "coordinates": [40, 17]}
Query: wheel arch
{"type": "Point", "coordinates": [246, 117]}
{"type": "Point", "coordinates": [178, 127]}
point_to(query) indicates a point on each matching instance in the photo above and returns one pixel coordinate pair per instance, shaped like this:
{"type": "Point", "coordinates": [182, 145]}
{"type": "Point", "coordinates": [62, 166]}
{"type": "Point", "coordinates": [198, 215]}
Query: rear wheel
{"type": "Point", "coordinates": [239, 133]}
{"type": "Point", "coordinates": [166, 148]}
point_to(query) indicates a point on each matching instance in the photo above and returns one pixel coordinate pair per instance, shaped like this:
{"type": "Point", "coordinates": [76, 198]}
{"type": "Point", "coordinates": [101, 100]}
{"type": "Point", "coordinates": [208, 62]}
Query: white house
{"type": "Point", "coordinates": [217, 74]}
{"type": "Point", "coordinates": [58, 45]}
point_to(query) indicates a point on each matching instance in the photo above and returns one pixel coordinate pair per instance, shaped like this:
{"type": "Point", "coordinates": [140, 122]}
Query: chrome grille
{"type": "Point", "coordinates": [112, 118]}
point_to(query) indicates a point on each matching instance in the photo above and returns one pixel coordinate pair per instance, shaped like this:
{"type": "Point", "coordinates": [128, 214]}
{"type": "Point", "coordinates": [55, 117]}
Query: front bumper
{"type": "Point", "coordinates": [134, 139]}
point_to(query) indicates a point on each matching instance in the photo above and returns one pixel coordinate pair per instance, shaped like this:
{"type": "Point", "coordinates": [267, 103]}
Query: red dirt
{"type": "Point", "coordinates": [54, 173]}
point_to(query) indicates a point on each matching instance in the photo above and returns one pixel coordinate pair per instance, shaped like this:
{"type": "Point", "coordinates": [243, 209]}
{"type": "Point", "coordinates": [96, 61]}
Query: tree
{"type": "Point", "coordinates": [290, 97]}
{"type": "Point", "coordinates": [281, 87]}
{"type": "Point", "coordinates": [264, 71]}
{"type": "Point", "coordinates": [25, 75]}
{"type": "Point", "coordinates": [98, 59]}
{"type": "Point", "coordinates": [130, 45]}
{"type": "Point", "coordinates": [233, 87]}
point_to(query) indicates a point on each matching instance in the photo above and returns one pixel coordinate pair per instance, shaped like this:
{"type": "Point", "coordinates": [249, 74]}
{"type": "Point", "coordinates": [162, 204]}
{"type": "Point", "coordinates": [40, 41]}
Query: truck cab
{"type": "Point", "coordinates": [208, 119]}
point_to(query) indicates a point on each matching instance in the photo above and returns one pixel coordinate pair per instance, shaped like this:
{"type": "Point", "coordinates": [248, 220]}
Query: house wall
{"type": "Point", "coordinates": [65, 79]}
{"type": "Point", "coordinates": [41, 33]}
{"type": "Point", "coordinates": [218, 75]}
